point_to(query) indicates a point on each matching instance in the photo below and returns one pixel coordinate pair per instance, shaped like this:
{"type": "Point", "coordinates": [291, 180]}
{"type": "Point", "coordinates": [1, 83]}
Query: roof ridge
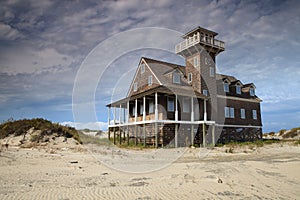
{"type": "Point", "coordinates": [162, 62]}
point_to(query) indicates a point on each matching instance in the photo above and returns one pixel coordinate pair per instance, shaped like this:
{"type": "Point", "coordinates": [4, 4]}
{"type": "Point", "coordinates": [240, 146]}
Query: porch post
{"type": "Point", "coordinates": [108, 121]}
{"type": "Point", "coordinates": [120, 132]}
{"type": "Point", "coordinates": [135, 110]}
{"type": "Point", "coordinates": [176, 135]}
{"type": "Point", "coordinates": [114, 115]}
{"type": "Point", "coordinates": [205, 112]}
{"type": "Point", "coordinates": [114, 124]}
{"type": "Point", "coordinates": [127, 121]}
{"type": "Point", "coordinates": [114, 139]}
{"type": "Point", "coordinates": [127, 118]}
{"type": "Point", "coordinates": [156, 119]}
{"type": "Point", "coordinates": [176, 108]}
{"type": "Point", "coordinates": [192, 119]}
{"type": "Point", "coordinates": [213, 135]}
{"type": "Point", "coordinates": [144, 119]}
{"type": "Point", "coordinates": [135, 119]}
{"type": "Point", "coordinates": [204, 135]}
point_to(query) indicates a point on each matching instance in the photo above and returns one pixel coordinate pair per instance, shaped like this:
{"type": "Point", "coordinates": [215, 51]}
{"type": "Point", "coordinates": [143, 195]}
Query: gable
{"type": "Point", "coordinates": [140, 82]}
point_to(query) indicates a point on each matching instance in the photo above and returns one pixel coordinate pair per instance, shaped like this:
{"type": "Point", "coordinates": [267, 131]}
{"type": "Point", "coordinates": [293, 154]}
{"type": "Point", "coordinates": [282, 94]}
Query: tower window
{"type": "Point", "coordinates": [150, 80]}
{"type": "Point", "coordinates": [176, 78]}
{"type": "Point", "coordinates": [212, 72]}
{"type": "Point", "coordinates": [205, 92]}
{"type": "Point", "coordinates": [190, 77]}
{"type": "Point", "coordinates": [254, 114]}
{"type": "Point", "coordinates": [196, 61]}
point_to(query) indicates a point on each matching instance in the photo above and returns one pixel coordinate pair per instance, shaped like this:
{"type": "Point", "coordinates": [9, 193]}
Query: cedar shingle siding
{"type": "Point", "coordinates": [180, 127]}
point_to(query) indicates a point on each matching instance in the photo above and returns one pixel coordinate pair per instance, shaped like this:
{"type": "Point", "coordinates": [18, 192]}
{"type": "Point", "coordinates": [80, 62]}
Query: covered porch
{"type": "Point", "coordinates": [161, 117]}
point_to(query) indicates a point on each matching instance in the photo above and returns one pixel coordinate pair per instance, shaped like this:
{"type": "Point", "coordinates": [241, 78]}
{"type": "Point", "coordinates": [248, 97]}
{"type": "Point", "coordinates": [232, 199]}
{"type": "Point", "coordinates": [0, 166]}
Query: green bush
{"type": "Point", "coordinates": [20, 127]}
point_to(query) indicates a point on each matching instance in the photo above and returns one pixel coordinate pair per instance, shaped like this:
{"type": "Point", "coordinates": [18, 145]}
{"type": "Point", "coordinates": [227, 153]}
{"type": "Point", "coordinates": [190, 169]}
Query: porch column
{"type": "Point", "coordinates": [114, 124]}
{"type": "Point", "coordinates": [135, 110]}
{"type": "Point", "coordinates": [213, 135]}
{"type": "Point", "coordinates": [127, 121]}
{"type": "Point", "coordinates": [192, 120]}
{"type": "Point", "coordinates": [114, 115]}
{"type": "Point", "coordinates": [120, 132]}
{"type": "Point", "coordinates": [135, 119]}
{"type": "Point", "coordinates": [176, 135]}
{"type": "Point", "coordinates": [114, 139]}
{"type": "Point", "coordinates": [176, 108]}
{"type": "Point", "coordinates": [156, 119]}
{"type": "Point", "coordinates": [144, 119]}
{"type": "Point", "coordinates": [205, 112]}
{"type": "Point", "coordinates": [204, 135]}
{"type": "Point", "coordinates": [108, 121]}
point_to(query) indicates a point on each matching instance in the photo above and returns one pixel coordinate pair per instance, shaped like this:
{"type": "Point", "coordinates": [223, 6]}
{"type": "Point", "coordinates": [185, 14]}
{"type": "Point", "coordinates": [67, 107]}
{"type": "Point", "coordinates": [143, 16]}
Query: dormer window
{"type": "Point", "coordinates": [252, 92]}
{"type": "Point", "coordinates": [176, 78]}
{"type": "Point", "coordinates": [142, 68]}
{"type": "Point", "coordinates": [238, 89]}
{"type": "Point", "coordinates": [226, 86]}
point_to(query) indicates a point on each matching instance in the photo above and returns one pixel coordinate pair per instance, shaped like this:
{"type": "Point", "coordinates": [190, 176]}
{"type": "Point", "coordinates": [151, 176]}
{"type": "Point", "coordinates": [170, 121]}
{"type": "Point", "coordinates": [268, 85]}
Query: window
{"type": "Point", "coordinates": [150, 81]}
{"type": "Point", "coordinates": [212, 72]}
{"type": "Point", "coordinates": [135, 87]}
{"type": "Point", "coordinates": [254, 114]}
{"type": "Point", "coordinates": [226, 110]}
{"type": "Point", "coordinates": [238, 89]}
{"type": "Point", "coordinates": [176, 78]}
{"type": "Point", "coordinates": [142, 68]}
{"type": "Point", "coordinates": [229, 112]}
{"type": "Point", "coordinates": [133, 110]}
{"type": "Point", "coordinates": [226, 87]}
{"type": "Point", "coordinates": [151, 106]}
{"type": "Point", "coordinates": [252, 92]}
{"type": "Point", "coordinates": [205, 92]}
{"type": "Point", "coordinates": [190, 77]}
{"type": "Point", "coordinates": [141, 109]}
{"type": "Point", "coordinates": [186, 105]}
{"type": "Point", "coordinates": [196, 61]}
{"type": "Point", "coordinates": [171, 104]}
{"type": "Point", "coordinates": [243, 116]}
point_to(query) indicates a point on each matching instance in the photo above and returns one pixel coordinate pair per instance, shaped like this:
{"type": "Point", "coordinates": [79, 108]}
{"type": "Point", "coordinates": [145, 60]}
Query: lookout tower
{"type": "Point", "coordinates": [200, 49]}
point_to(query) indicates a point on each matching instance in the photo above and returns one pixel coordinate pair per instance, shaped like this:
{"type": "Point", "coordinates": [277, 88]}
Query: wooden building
{"type": "Point", "coordinates": [174, 106]}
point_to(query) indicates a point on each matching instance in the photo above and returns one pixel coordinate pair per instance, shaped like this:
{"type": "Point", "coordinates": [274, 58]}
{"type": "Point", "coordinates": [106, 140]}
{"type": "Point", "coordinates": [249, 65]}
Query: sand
{"type": "Point", "coordinates": [269, 172]}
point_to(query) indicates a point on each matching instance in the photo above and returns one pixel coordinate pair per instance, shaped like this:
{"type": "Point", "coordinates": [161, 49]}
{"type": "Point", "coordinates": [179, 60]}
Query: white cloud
{"type": "Point", "coordinates": [28, 60]}
{"type": "Point", "coordinates": [9, 33]}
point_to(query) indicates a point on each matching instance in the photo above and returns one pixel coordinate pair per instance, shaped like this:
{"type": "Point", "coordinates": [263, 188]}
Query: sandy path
{"type": "Point", "coordinates": [269, 173]}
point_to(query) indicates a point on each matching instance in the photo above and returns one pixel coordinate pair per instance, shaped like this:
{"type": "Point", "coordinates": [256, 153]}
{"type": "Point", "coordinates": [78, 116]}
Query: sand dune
{"type": "Point", "coordinates": [269, 172]}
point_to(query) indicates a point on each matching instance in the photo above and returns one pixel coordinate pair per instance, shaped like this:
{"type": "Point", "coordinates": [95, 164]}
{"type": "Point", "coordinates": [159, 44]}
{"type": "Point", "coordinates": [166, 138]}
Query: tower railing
{"type": "Point", "coordinates": [196, 39]}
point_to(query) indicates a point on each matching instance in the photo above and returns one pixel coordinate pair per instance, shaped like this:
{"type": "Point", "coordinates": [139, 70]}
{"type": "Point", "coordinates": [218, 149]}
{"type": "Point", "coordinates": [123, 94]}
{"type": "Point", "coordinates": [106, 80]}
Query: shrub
{"type": "Point", "coordinates": [281, 132]}
{"type": "Point", "coordinates": [20, 127]}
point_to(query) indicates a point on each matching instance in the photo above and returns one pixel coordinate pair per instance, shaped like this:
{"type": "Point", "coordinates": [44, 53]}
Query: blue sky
{"type": "Point", "coordinates": [44, 44]}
